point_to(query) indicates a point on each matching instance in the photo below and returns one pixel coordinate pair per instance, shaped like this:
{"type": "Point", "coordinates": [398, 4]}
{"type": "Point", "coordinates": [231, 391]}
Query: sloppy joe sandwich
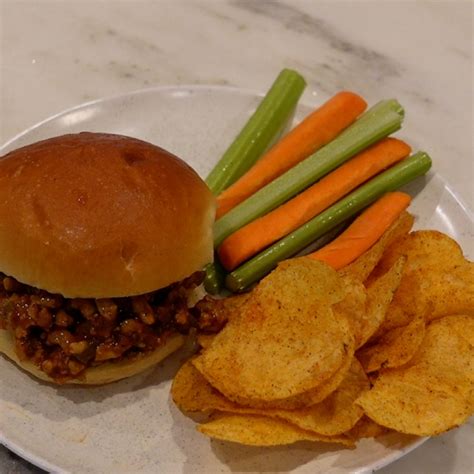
{"type": "Point", "coordinates": [102, 240]}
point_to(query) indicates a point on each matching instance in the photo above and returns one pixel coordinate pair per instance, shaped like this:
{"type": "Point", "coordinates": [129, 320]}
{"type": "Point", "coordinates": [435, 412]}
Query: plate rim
{"type": "Point", "coordinates": [29, 457]}
{"type": "Point", "coordinates": [122, 95]}
{"type": "Point", "coordinates": [202, 87]}
{"type": "Point", "coordinates": [51, 467]}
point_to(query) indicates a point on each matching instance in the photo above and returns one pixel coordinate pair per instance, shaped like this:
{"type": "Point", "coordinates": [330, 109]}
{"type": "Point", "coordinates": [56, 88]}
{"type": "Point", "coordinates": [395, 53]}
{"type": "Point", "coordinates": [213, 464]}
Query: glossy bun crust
{"type": "Point", "coordinates": [99, 215]}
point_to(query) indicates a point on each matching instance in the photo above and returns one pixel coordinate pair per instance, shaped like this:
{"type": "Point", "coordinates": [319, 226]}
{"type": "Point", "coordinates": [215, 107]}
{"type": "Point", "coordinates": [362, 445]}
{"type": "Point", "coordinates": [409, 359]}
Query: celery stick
{"type": "Point", "coordinates": [379, 121]}
{"type": "Point", "coordinates": [214, 279]}
{"type": "Point", "coordinates": [262, 129]}
{"type": "Point", "coordinates": [390, 180]}
{"type": "Point", "coordinates": [266, 123]}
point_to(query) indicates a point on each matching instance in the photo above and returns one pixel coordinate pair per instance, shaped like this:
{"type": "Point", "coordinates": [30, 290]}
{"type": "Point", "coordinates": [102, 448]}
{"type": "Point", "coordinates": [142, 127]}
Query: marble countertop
{"type": "Point", "coordinates": [59, 54]}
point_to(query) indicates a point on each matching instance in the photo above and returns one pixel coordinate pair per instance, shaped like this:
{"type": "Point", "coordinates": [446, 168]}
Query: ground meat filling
{"type": "Point", "coordinates": [63, 337]}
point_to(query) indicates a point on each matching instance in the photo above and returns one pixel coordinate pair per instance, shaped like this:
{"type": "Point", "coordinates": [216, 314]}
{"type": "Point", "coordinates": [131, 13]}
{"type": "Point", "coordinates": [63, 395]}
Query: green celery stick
{"type": "Point", "coordinates": [262, 128]}
{"type": "Point", "coordinates": [378, 122]}
{"type": "Point", "coordinates": [390, 180]}
{"type": "Point", "coordinates": [214, 279]}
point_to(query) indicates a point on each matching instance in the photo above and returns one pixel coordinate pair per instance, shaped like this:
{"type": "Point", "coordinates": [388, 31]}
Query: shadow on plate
{"type": "Point", "coordinates": [239, 458]}
{"type": "Point", "coordinates": [63, 402]}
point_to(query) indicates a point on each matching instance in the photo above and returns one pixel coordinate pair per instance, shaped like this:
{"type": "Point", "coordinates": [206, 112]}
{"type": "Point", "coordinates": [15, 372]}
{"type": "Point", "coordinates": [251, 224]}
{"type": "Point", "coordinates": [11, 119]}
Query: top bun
{"type": "Point", "coordinates": [98, 215]}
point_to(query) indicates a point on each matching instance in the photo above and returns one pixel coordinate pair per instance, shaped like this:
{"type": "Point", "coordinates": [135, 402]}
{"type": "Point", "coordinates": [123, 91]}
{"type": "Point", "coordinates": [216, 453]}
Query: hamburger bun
{"type": "Point", "coordinates": [94, 215]}
{"type": "Point", "coordinates": [97, 215]}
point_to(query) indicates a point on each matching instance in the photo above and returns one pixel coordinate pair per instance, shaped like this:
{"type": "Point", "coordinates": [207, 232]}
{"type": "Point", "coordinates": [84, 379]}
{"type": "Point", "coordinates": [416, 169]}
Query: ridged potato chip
{"type": "Point", "coordinates": [335, 415]}
{"type": "Point", "coordinates": [395, 348]}
{"type": "Point", "coordinates": [437, 280]}
{"type": "Point", "coordinates": [365, 308]}
{"type": "Point", "coordinates": [232, 304]}
{"type": "Point", "coordinates": [301, 278]}
{"type": "Point", "coordinates": [354, 307]}
{"type": "Point", "coordinates": [193, 393]}
{"type": "Point", "coordinates": [361, 268]}
{"type": "Point", "coordinates": [257, 430]}
{"type": "Point", "coordinates": [434, 392]}
{"type": "Point", "coordinates": [380, 294]}
{"type": "Point", "coordinates": [286, 340]}
{"type": "Point", "coordinates": [366, 428]}
{"type": "Point", "coordinates": [318, 394]}
{"type": "Point", "coordinates": [283, 368]}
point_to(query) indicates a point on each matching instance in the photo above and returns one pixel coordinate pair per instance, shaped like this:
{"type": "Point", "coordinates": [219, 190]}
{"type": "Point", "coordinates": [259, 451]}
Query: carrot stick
{"type": "Point", "coordinates": [389, 180]}
{"type": "Point", "coordinates": [271, 227]}
{"type": "Point", "coordinates": [316, 130]}
{"type": "Point", "coordinates": [364, 231]}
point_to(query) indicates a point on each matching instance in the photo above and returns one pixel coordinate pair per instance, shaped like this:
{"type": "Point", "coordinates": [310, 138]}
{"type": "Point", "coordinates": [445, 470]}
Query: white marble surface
{"type": "Point", "coordinates": [54, 55]}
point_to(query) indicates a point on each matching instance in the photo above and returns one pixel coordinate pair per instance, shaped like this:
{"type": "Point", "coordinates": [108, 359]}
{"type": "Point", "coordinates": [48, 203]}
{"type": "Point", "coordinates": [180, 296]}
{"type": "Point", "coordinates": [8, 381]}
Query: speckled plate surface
{"type": "Point", "coordinates": [132, 426]}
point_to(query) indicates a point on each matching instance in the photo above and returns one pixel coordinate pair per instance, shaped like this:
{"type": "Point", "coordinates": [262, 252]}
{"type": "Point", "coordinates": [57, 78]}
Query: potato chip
{"type": "Point", "coordinates": [322, 391]}
{"type": "Point", "coordinates": [361, 268]}
{"type": "Point", "coordinates": [257, 430]}
{"type": "Point", "coordinates": [402, 404]}
{"type": "Point", "coordinates": [337, 413]}
{"type": "Point", "coordinates": [419, 247]}
{"type": "Point", "coordinates": [231, 305]}
{"type": "Point", "coordinates": [300, 278]}
{"type": "Point", "coordinates": [192, 392]}
{"type": "Point", "coordinates": [365, 308]}
{"type": "Point", "coordinates": [354, 308]}
{"type": "Point", "coordinates": [286, 340]}
{"type": "Point", "coordinates": [283, 368]}
{"type": "Point", "coordinates": [447, 351]}
{"type": "Point", "coordinates": [366, 428]}
{"type": "Point", "coordinates": [434, 392]}
{"type": "Point", "coordinates": [311, 397]}
{"type": "Point", "coordinates": [395, 348]}
{"type": "Point", "coordinates": [437, 280]}
{"type": "Point", "coordinates": [205, 340]}
{"type": "Point", "coordinates": [379, 296]}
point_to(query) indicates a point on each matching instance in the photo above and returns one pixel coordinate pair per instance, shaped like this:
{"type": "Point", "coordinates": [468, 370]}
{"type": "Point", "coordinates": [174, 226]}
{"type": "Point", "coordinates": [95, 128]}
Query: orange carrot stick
{"type": "Point", "coordinates": [364, 232]}
{"type": "Point", "coordinates": [271, 227]}
{"type": "Point", "coordinates": [316, 130]}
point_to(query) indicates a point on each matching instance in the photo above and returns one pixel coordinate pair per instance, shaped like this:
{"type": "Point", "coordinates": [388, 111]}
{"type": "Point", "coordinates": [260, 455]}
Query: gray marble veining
{"type": "Point", "coordinates": [299, 22]}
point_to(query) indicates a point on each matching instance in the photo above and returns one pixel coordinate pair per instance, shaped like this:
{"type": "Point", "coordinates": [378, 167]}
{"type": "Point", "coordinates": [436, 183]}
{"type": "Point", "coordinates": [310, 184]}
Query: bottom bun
{"type": "Point", "coordinates": [105, 373]}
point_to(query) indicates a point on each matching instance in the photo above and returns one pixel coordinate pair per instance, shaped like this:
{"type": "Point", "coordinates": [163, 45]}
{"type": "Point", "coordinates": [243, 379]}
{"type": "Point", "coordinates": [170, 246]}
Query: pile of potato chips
{"type": "Point", "coordinates": [387, 343]}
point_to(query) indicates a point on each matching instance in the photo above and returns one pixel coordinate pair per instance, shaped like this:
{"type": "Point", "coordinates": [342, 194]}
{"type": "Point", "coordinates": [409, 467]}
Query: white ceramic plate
{"type": "Point", "coordinates": [132, 426]}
